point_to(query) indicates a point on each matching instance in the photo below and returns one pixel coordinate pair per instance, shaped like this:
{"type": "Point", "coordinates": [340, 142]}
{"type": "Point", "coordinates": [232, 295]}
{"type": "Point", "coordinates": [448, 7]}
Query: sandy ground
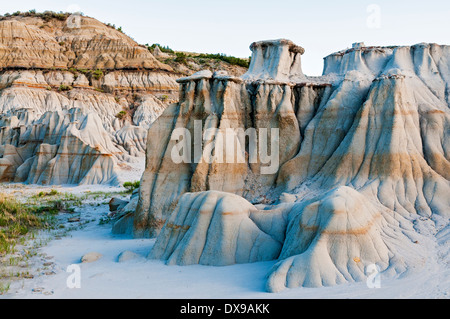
{"type": "Point", "coordinates": [144, 278]}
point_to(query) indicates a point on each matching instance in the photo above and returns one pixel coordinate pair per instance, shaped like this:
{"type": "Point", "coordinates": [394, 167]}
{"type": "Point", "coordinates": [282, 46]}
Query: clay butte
{"type": "Point", "coordinates": [364, 151]}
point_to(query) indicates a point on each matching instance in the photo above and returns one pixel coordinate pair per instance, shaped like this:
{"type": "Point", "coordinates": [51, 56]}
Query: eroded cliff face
{"type": "Point", "coordinates": [219, 103]}
{"type": "Point", "coordinates": [76, 100]}
{"type": "Point", "coordinates": [59, 62]}
{"type": "Point", "coordinates": [77, 41]}
{"type": "Point", "coordinates": [363, 151]}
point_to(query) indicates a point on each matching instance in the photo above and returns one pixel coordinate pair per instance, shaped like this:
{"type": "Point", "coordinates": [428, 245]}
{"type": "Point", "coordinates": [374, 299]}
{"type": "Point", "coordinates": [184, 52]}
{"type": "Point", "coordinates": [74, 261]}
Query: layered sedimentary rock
{"type": "Point", "coordinates": [27, 99]}
{"type": "Point", "coordinates": [78, 41]}
{"type": "Point", "coordinates": [23, 45]}
{"type": "Point", "coordinates": [76, 100]}
{"type": "Point", "coordinates": [277, 60]}
{"type": "Point", "coordinates": [55, 62]}
{"type": "Point", "coordinates": [359, 153]}
{"type": "Point", "coordinates": [59, 148]}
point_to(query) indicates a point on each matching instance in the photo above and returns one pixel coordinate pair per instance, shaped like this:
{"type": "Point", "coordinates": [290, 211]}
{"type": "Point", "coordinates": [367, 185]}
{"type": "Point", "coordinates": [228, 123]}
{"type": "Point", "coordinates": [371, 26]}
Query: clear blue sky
{"type": "Point", "coordinates": [321, 27]}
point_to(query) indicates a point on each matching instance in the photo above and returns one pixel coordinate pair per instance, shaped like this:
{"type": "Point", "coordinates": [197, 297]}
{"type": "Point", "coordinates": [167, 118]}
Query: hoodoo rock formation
{"type": "Point", "coordinates": [362, 152]}
{"type": "Point", "coordinates": [276, 60]}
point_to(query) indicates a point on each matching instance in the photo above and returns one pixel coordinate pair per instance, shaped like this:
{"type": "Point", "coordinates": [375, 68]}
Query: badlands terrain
{"type": "Point", "coordinates": [77, 98]}
{"type": "Point", "coordinates": [358, 187]}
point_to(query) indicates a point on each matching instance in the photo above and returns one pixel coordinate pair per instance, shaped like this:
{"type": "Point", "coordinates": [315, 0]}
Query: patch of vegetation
{"type": "Point", "coordinates": [226, 58]}
{"type": "Point", "coordinates": [20, 222]}
{"type": "Point", "coordinates": [165, 49]}
{"type": "Point", "coordinates": [4, 287]}
{"type": "Point", "coordinates": [53, 202]}
{"type": "Point", "coordinates": [131, 186]}
{"type": "Point", "coordinates": [46, 15]}
{"type": "Point", "coordinates": [97, 74]}
{"type": "Point", "coordinates": [74, 72]}
{"type": "Point", "coordinates": [112, 26]}
{"type": "Point", "coordinates": [53, 207]}
{"type": "Point", "coordinates": [102, 195]}
{"type": "Point", "coordinates": [105, 220]}
{"type": "Point", "coordinates": [121, 115]}
{"type": "Point", "coordinates": [64, 87]}
{"type": "Point", "coordinates": [181, 58]}
{"type": "Point", "coordinates": [17, 220]}
{"type": "Point", "coordinates": [84, 71]}
{"type": "Point", "coordinates": [52, 192]}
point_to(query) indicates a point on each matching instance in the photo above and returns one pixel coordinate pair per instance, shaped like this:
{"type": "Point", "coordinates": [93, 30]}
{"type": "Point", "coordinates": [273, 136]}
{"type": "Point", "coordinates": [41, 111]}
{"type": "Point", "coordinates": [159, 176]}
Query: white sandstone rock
{"type": "Point", "coordinates": [277, 60]}
{"type": "Point", "coordinates": [334, 238]}
{"type": "Point", "coordinates": [213, 228]}
{"type": "Point", "coordinates": [127, 256]}
{"type": "Point", "coordinates": [91, 257]}
{"type": "Point", "coordinates": [364, 149]}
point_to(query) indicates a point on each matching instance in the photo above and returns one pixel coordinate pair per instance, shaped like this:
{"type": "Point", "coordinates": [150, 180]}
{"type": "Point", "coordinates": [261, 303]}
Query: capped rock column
{"type": "Point", "coordinates": [277, 60]}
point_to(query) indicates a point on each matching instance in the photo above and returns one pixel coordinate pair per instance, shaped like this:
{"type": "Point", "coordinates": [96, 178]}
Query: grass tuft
{"type": "Point", "coordinates": [16, 220]}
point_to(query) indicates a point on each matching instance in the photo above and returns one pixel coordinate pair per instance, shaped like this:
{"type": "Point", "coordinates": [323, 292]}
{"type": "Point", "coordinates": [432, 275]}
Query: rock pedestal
{"type": "Point", "coordinates": [276, 60]}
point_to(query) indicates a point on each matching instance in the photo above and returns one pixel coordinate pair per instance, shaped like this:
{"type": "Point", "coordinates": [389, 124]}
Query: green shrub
{"type": "Point", "coordinates": [131, 186]}
{"type": "Point", "coordinates": [52, 207]}
{"type": "Point", "coordinates": [223, 57]}
{"type": "Point", "coordinates": [52, 192]}
{"type": "Point", "coordinates": [165, 49]}
{"type": "Point", "coordinates": [46, 15]}
{"type": "Point", "coordinates": [121, 115]}
{"type": "Point", "coordinates": [97, 74]}
{"type": "Point", "coordinates": [181, 58]}
{"type": "Point", "coordinates": [64, 87]}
